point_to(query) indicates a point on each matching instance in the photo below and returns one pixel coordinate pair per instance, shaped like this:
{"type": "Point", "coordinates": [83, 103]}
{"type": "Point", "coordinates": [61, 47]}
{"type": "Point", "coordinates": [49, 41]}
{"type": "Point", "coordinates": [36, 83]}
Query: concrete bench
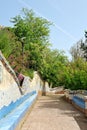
{"type": "Point", "coordinates": [11, 115]}
{"type": "Point", "coordinates": [79, 101]}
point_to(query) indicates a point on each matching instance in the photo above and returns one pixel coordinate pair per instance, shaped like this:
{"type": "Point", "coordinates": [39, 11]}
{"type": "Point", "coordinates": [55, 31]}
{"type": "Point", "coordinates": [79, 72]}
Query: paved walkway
{"type": "Point", "coordinates": [53, 113]}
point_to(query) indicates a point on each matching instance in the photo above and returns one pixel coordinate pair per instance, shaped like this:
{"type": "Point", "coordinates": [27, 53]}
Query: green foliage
{"type": "Point", "coordinates": [28, 72]}
{"type": "Point", "coordinates": [83, 47]}
{"type": "Point", "coordinates": [35, 34]}
{"type": "Point", "coordinates": [52, 66]}
{"type": "Point", "coordinates": [34, 29]}
{"type": "Point", "coordinates": [75, 75]}
{"type": "Point", "coordinates": [5, 42]}
{"type": "Point", "coordinates": [27, 48]}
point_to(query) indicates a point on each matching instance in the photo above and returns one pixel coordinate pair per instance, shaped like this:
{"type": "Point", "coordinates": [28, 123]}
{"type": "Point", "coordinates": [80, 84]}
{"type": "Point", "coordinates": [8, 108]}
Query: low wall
{"type": "Point", "coordinates": [85, 99]}
{"type": "Point", "coordinates": [68, 97]}
{"type": "Point", "coordinates": [78, 101]}
{"type": "Point", "coordinates": [10, 116]}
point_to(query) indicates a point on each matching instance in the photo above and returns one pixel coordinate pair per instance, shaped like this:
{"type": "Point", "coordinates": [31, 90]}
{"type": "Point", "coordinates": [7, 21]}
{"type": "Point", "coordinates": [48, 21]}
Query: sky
{"type": "Point", "coordinates": [69, 18]}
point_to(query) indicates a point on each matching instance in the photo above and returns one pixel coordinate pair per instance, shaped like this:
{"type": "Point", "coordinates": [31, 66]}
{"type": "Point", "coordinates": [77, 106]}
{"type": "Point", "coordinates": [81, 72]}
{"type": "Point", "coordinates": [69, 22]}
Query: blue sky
{"type": "Point", "coordinates": [69, 18]}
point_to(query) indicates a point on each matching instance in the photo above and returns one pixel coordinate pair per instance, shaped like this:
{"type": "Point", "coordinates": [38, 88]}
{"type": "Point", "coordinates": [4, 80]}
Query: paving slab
{"type": "Point", "coordinates": [52, 112]}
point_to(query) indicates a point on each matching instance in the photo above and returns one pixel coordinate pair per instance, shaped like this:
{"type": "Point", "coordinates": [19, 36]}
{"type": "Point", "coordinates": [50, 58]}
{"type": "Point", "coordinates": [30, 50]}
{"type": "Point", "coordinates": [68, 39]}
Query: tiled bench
{"type": "Point", "coordinates": [79, 101]}
{"type": "Point", "coordinates": [11, 115]}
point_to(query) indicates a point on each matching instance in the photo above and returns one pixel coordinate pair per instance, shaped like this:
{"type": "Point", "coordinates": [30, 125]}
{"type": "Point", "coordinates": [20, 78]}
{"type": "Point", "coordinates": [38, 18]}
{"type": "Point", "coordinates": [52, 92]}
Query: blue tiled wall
{"type": "Point", "coordinates": [79, 101]}
{"type": "Point", "coordinates": [16, 111]}
{"type": "Point", "coordinates": [5, 110]}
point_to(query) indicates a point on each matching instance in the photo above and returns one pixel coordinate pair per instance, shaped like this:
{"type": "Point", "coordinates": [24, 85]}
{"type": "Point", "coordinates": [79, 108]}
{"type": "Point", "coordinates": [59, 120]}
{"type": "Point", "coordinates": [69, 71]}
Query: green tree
{"type": "Point", "coordinates": [84, 46]}
{"type": "Point", "coordinates": [52, 66]}
{"type": "Point", "coordinates": [30, 29]}
{"type": "Point", "coordinates": [76, 51]}
{"type": "Point", "coordinates": [75, 75]}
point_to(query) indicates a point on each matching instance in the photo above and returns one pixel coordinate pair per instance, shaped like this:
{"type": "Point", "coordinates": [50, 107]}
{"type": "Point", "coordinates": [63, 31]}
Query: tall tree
{"type": "Point", "coordinates": [33, 33]}
{"type": "Point", "coordinates": [75, 75]}
{"type": "Point", "coordinates": [84, 47]}
{"type": "Point", "coordinates": [53, 66]}
{"type": "Point", "coordinates": [76, 51]}
{"type": "Point", "coordinates": [30, 27]}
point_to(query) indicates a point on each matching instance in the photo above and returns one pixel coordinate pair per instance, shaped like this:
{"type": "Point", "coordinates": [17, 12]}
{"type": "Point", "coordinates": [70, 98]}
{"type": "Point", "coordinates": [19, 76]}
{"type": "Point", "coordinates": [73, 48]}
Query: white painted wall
{"type": "Point", "coordinates": [9, 90]}
{"type": "Point", "coordinates": [26, 85]}
{"type": "Point", "coordinates": [47, 89]}
{"type": "Point", "coordinates": [36, 83]}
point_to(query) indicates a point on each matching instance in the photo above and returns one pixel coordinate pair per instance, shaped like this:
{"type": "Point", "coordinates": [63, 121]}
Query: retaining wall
{"type": "Point", "coordinates": [9, 90]}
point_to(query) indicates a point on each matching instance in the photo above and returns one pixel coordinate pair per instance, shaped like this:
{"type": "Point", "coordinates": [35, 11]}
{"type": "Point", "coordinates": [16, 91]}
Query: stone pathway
{"type": "Point", "coordinates": [54, 113]}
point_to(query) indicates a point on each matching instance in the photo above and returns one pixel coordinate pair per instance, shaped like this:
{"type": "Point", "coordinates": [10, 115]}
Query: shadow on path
{"type": "Point", "coordinates": [63, 108]}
